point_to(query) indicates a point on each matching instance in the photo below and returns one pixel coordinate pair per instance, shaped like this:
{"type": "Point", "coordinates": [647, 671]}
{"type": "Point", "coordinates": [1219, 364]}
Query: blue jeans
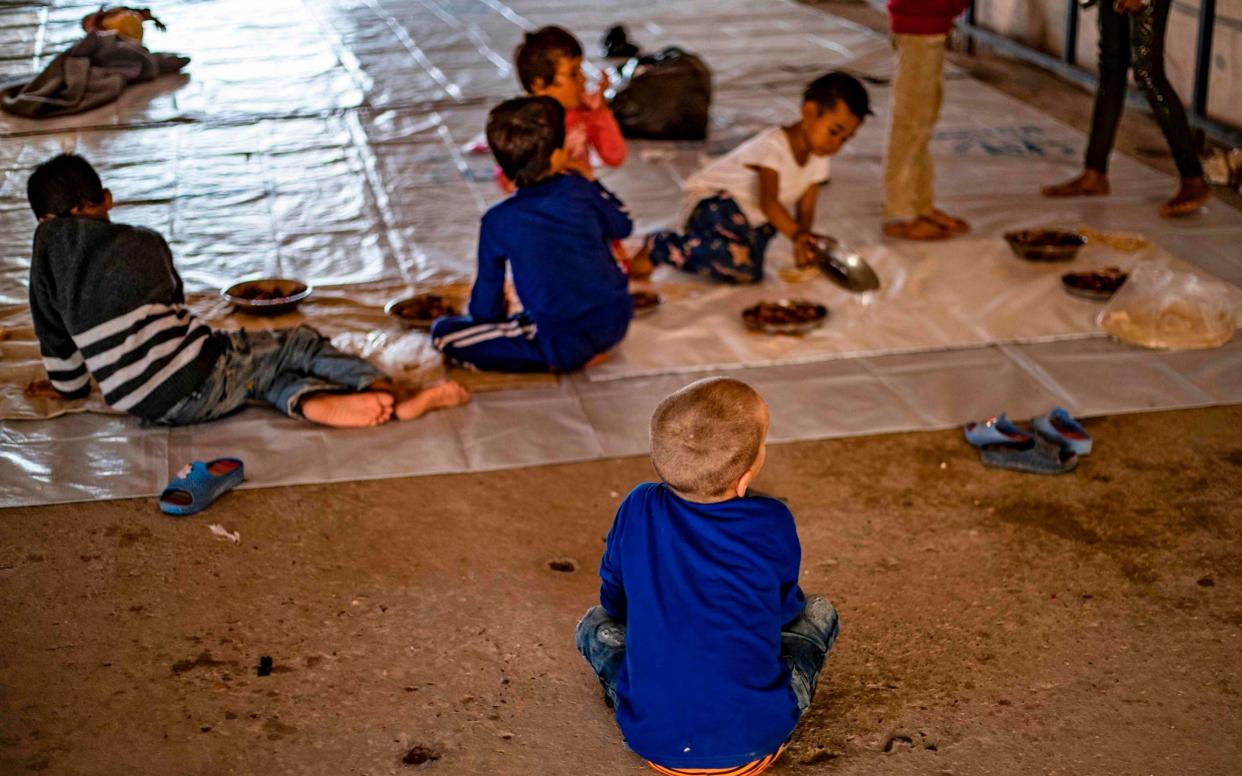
{"type": "Point", "coordinates": [719, 242]}
{"type": "Point", "coordinates": [805, 644]}
{"type": "Point", "coordinates": [279, 368]}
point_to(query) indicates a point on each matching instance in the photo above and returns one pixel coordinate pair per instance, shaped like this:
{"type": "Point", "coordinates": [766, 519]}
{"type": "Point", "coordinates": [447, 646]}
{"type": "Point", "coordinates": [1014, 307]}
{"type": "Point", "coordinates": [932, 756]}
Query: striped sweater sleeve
{"type": "Point", "coordinates": [66, 369]}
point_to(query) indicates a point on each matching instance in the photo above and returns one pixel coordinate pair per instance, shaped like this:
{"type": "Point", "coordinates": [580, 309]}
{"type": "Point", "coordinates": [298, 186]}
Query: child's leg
{"type": "Point", "coordinates": [718, 242]}
{"type": "Point", "coordinates": [306, 351]}
{"type": "Point", "coordinates": [601, 640]}
{"type": "Point", "coordinates": [805, 643]}
{"type": "Point", "coordinates": [507, 346]}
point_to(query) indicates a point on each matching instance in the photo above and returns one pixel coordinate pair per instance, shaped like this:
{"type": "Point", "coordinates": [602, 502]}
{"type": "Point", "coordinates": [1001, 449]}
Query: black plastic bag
{"type": "Point", "coordinates": [664, 96]}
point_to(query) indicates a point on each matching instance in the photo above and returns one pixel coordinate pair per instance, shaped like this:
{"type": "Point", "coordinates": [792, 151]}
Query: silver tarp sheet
{"type": "Point", "coordinates": [330, 140]}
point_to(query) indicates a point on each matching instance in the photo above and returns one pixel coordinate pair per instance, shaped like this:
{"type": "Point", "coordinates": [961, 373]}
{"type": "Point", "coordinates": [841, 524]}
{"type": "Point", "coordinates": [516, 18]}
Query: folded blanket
{"type": "Point", "coordinates": [94, 72]}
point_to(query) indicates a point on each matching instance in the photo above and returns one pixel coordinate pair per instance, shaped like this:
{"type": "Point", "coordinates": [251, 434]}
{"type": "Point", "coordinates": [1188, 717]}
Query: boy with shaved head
{"type": "Point", "coordinates": [704, 642]}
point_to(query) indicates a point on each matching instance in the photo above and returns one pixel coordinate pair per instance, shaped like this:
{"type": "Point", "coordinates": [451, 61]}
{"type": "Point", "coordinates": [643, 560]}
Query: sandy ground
{"type": "Point", "coordinates": [992, 622]}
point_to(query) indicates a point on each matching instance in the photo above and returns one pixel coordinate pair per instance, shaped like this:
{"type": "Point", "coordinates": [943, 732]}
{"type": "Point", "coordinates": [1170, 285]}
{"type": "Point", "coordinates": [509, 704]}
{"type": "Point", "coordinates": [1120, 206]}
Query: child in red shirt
{"type": "Point", "coordinates": [549, 63]}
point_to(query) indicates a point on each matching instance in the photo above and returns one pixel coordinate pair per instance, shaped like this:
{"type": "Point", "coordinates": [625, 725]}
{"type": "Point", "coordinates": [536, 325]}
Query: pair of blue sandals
{"type": "Point", "coordinates": [198, 485]}
{"type": "Point", "coordinates": [1054, 448]}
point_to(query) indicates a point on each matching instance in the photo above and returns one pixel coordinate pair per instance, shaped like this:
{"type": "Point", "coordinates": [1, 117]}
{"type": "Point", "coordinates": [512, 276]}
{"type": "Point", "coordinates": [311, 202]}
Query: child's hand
{"type": "Point", "coordinates": [805, 248]}
{"type": "Point", "coordinates": [595, 100]}
{"type": "Point", "coordinates": [579, 167]}
{"type": "Point", "coordinates": [41, 389]}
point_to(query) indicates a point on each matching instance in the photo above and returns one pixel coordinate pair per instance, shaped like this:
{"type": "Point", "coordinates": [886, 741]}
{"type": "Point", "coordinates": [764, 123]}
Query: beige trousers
{"type": "Point", "coordinates": [918, 89]}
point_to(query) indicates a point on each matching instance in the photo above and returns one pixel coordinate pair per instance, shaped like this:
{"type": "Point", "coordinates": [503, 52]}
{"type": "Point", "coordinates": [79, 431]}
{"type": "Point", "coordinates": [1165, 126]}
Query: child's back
{"type": "Point", "coordinates": [555, 234]}
{"type": "Point", "coordinates": [703, 640]}
{"type": "Point", "coordinates": [105, 297]}
{"type": "Point", "coordinates": [707, 588]}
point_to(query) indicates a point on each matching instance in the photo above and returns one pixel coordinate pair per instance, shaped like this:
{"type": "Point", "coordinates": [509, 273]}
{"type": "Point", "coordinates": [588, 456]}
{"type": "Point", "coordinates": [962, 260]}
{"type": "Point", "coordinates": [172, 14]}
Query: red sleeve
{"type": "Point", "coordinates": [605, 136]}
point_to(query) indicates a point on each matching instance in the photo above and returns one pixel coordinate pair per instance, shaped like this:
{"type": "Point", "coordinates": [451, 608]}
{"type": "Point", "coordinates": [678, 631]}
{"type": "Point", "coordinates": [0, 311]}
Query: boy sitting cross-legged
{"type": "Point", "coordinates": [768, 184]}
{"type": "Point", "coordinates": [554, 232]}
{"type": "Point", "coordinates": [704, 643]}
{"type": "Point", "coordinates": [108, 304]}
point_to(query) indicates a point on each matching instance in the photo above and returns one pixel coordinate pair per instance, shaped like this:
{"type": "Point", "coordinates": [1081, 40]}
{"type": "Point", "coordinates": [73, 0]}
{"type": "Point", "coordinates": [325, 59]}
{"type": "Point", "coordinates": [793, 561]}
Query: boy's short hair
{"type": "Point", "coordinates": [523, 133]}
{"type": "Point", "coordinates": [539, 51]}
{"type": "Point", "coordinates": [62, 183]}
{"type": "Point", "coordinates": [828, 90]}
{"type": "Point", "coordinates": [705, 436]}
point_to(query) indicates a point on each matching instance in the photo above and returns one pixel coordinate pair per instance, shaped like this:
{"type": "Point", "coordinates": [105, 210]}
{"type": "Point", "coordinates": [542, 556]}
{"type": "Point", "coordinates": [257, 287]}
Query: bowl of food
{"type": "Point", "coordinates": [1097, 285]}
{"type": "Point", "coordinates": [266, 296]}
{"type": "Point", "coordinates": [1045, 244]}
{"type": "Point", "coordinates": [791, 317]}
{"type": "Point", "coordinates": [421, 310]}
{"type": "Point", "coordinates": [844, 267]}
{"type": "Point", "coordinates": [645, 303]}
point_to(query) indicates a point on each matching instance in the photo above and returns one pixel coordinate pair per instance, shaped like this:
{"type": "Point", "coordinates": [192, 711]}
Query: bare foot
{"type": "Point", "coordinates": [598, 359]}
{"type": "Point", "coordinates": [951, 224]}
{"type": "Point", "coordinates": [916, 229]}
{"type": "Point", "coordinates": [348, 410]}
{"type": "Point", "coordinates": [1192, 196]}
{"type": "Point", "coordinates": [437, 397]}
{"type": "Point", "coordinates": [641, 265]}
{"type": "Point", "coordinates": [1089, 184]}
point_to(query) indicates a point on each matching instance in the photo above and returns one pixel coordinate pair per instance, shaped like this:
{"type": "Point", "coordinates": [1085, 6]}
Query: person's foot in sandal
{"type": "Point", "coordinates": [951, 224]}
{"type": "Point", "coordinates": [437, 397]}
{"type": "Point", "coordinates": [1090, 183]}
{"type": "Point", "coordinates": [916, 229]}
{"type": "Point", "coordinates": [348, 410]}
{"type": "Point", "coordinates": [1190, 198]}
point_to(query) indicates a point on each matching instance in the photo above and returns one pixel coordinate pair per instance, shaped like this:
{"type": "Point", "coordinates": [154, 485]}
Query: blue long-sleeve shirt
{"type": "Point", "coordinates": [704, 590]}
{"type": "Point", "coordinates": [556, 235]}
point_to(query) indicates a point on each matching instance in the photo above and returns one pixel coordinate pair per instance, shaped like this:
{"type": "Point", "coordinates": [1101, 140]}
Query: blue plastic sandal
{"type": "Point", "coordinates": [1036, 456]}
{"type": "Point", "coordinates": [1061, 428]}
{"type": "Point", "coordinates": [995, 431]}
{"type": "Point", "coordinates": [198, 485]}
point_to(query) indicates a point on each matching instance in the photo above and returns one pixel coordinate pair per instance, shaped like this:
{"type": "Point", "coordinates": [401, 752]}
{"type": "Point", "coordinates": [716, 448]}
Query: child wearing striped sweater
{"type": "Point", "coordinates": [108, 304]}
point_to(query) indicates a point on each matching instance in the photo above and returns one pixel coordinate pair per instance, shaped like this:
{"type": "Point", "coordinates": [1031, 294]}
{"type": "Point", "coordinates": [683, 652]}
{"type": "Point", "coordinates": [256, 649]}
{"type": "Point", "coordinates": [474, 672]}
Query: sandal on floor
{"type": "Point", "coordinates": [995, 431]}
{"type": "Point", "coordinates": [1037, 456]}
{"type": "Point", "coordinates": [199, 484]}
{"type": "Point", "coordinates": [1059, 427]}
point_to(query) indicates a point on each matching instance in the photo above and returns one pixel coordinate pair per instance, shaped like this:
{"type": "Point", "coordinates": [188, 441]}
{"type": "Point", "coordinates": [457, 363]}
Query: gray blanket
{"type": "Point", "coordinates": [94, 72]}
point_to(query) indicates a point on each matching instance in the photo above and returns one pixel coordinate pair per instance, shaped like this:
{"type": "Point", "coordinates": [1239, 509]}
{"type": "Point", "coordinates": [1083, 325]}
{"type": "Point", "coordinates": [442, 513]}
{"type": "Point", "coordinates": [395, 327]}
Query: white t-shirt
{"type": "Point", "coordinates": [732, 173]}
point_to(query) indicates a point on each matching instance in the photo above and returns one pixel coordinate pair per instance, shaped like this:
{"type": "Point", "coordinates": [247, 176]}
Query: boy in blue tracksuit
{"type": "Point", "coordinates": [703, 640]}
{"type": "Point", "coordinates": [555, 232]}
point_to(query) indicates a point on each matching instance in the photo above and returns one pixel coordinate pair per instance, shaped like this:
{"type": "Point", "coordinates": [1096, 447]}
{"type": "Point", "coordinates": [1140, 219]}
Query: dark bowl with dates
{"type": "Point", "coordinates": [266, 296]}
{"type": "Point", "coordinates": [791, 317]}
{"type": "Point", "coordinates": [1045, 244]}
{"type": "Point", "coordinates": [1097, 285]}
{"type": "Point", "coordinates": [421, 310]}
{"type": "Point", "coordinates": [645, 303]}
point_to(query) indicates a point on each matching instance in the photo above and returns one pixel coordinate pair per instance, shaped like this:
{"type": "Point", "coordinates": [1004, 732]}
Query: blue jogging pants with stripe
{"type": "Point", "coordinates": [517, 344]}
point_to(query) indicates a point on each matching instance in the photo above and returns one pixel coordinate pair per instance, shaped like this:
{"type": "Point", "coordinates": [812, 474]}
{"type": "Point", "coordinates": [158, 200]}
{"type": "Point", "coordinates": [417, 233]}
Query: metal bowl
{"type": "Point", "coordinates": [266, 296]}
{"type": "Point", "coordinates": [844, 267]}
{"type": "Point", "coordinates": [1045, 244]}
{"type": "Point", "coordinates": [814, 315]}
{"type": "Point", "coordinates": [421, 310]}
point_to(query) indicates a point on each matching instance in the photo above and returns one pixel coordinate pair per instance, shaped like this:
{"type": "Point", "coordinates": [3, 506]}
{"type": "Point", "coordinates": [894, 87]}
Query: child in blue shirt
{"type": "Point", "coordinates": [704, 642]}
{"type": "Point", "coordinates": [555, 233]}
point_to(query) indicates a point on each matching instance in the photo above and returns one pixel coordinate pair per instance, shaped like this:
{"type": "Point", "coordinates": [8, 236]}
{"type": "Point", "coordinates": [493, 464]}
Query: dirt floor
{"type": "Point", "coordinates": [992, 622]}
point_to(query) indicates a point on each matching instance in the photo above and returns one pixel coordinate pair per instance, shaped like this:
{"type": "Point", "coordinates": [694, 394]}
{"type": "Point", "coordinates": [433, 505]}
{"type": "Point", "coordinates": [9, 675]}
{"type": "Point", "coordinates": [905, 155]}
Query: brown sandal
{"type": "Point", "coordinates": [916, 229]}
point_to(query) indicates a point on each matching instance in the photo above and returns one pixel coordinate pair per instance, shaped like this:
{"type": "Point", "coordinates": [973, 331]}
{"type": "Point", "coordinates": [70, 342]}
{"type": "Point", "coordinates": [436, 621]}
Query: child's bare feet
{"type": "Point", "coordinates": [598, 359]}
{"type": "Point", "coordinates": [916, 229]}
{"type": "Point", "coordinates": [348, 410]}
{"type": "Point", "coordinates": [437, 397]}
{"type": "Point", "coordinates": [951, 224]}
{"type": "Point", "coordinates": [1088, 184]}
{"type": "Point", "coordinates": [641, 265]}
{"type": "Point", "coordinates": [1192, 196]}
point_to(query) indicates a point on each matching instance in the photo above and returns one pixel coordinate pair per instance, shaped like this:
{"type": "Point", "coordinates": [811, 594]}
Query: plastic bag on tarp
{"type": "Point", "coordinates": [1159, 307]}
{"type": "Point", "coordinates": [664, 96]}
{"type": "Point", "coordinates": [408, 357]}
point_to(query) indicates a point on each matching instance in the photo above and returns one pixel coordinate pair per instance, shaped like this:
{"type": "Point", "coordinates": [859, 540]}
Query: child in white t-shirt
{"type": "Point", "coordinates": [768, 184]}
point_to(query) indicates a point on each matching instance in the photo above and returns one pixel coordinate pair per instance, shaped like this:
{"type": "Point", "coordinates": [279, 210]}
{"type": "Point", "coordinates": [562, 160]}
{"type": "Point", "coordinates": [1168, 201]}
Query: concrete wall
{"type": "Point", "coordinates": [1041, 25]}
